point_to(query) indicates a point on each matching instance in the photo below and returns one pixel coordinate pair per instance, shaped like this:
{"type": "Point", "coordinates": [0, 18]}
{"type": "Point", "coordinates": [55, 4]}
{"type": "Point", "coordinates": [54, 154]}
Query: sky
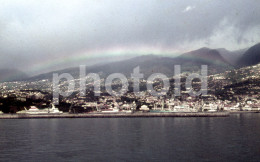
{"type": "Point", "coordinates": [43, 35]}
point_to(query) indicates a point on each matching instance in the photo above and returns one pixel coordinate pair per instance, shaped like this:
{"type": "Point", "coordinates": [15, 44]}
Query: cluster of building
{"type": "Point", "coordinates": [236, 90]}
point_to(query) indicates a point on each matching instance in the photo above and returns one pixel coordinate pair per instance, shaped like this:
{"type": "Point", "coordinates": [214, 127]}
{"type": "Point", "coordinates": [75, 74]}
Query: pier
{"type": "Point", "coordinates": [116, 115]}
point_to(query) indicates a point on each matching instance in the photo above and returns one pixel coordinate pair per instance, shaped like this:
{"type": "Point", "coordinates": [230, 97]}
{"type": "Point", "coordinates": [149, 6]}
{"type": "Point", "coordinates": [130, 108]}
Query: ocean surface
{"type": "Point", "coordinates": [234, 138]}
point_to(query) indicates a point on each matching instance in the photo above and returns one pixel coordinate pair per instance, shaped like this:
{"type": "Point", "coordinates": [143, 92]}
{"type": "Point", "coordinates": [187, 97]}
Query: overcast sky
{"type": "Point", "coordinates": [36, 36]}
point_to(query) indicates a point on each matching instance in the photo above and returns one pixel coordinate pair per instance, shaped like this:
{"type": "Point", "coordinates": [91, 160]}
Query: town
{"type": "Point", "coordinates": [236, 90]}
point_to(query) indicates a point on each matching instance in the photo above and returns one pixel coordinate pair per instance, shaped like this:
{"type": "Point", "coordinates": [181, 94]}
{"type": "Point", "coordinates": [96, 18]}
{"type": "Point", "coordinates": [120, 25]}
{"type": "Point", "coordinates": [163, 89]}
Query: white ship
{"type": "Point", "coordinates": [35, 111]}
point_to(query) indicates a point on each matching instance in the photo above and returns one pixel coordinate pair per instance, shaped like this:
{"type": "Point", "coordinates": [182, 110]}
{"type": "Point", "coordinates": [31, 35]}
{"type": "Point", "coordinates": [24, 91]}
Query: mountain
{"type": "Point", "coordinates": [250, 57]}
{"type": "Point", "coordinates": [12, 75]}
{"type": "Point", "coordinates": [150, 64]}
{"type": "Point", "coordinates": [192, 61]}
{"type": "Point", "coordinates": [204, 55]}
{"type": "Point", "coordinates": [231, 56]}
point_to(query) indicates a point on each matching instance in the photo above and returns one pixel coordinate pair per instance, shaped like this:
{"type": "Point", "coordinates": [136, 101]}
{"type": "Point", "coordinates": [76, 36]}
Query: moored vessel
{"type": "Point", "coordinates": [33, 110]}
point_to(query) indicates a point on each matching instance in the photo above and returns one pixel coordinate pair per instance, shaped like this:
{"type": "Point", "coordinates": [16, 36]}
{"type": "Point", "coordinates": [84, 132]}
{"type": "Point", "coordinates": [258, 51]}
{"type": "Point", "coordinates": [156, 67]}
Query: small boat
{"type": "Point", "coordinates": [110, 110]}
{"type": "Point", "coordinates": [256, 107]}
{"type": "Point", "coordinates": [126, 111]}
{"type": "Point", "coordinates": [210, 107]}
{"type": "Point", "coordinates": [247, 108]}
{"type": "Point", "coordinates": [144, 108]}
{"type": "Point", "coordinates": [162, 111]}
{"type": "Point", "coordinates": [182, 108]}
{"type": "Point", "coordinates": [54, 110]}
{"type": "Point", "coordinates": [235, 107]}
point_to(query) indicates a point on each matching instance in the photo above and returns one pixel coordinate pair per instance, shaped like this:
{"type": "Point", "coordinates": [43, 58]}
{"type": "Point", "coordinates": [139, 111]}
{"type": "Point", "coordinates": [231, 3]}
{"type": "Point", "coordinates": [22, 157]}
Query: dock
{"type": "Point", "coordinates": [116, 115]}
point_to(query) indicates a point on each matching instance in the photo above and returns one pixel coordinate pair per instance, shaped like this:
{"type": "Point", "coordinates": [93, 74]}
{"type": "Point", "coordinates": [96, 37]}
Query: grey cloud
{"type": "Point", "coordinates": [33, 31]}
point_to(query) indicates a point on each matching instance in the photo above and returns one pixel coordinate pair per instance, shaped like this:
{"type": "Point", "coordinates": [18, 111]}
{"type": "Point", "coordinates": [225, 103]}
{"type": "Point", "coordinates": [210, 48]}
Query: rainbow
{"type": "Point", "coordinates": [96, 54]}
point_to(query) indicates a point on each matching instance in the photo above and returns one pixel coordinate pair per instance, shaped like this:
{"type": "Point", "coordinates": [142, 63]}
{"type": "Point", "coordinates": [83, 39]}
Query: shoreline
{"type": "Point", "coordinates": [124, 115]}
{"type": "Point", "coordinates": [116, 115]}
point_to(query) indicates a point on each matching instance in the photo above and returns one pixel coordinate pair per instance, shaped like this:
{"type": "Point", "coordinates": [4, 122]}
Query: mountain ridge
{"type": "Point", "coordinates": [149, 64]}
{"type": "Point", "coordinates": [190, 62]}
{"type": "Point", "coordinates": [250, 57]}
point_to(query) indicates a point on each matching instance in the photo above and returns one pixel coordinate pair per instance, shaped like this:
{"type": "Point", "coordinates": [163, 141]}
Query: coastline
{"type": "Point", "coordinates": [116, 115]}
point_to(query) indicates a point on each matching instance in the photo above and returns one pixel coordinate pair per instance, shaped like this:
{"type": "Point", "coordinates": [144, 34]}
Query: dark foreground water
{"type": "Point", "coordinates": [235, 138]}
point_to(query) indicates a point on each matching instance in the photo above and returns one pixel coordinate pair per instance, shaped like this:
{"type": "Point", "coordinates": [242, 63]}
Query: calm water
{"type": "Point", "coordinates": [235, 138]}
